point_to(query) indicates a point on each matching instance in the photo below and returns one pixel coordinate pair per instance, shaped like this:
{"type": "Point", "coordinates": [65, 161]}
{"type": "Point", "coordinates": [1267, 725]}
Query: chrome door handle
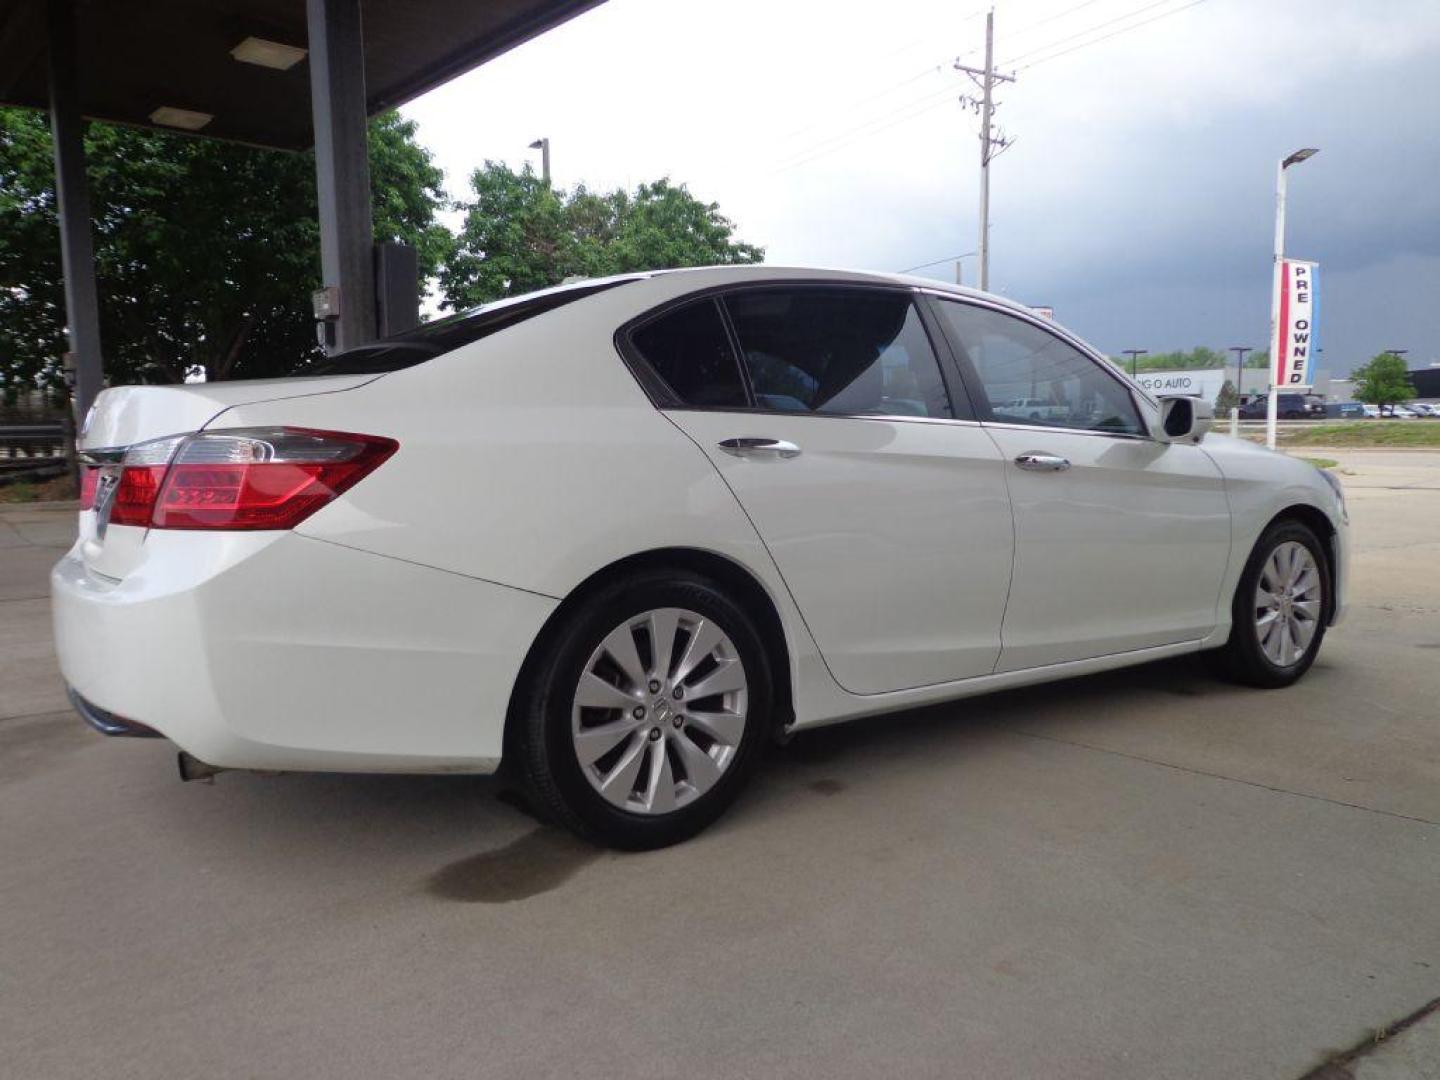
{"type": "Point", "coordinates": [755, 446]}
{"type": "Point", "coordinates": [1036, 462]}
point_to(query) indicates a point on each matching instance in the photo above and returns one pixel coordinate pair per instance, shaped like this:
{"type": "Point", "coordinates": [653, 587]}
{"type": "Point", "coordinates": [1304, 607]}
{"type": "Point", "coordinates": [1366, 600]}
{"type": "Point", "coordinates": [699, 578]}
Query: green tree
{"type": "Point", "coordinates": [206, 252]}
{"type": "Point", "coordinates": [521, 234]}
{"type": "Point", "coordinates": [1227, 399]}
{"type": "Point", "coordinates": [1199, 358]}
{"type": "Point", "coordinates": [1383, 381]}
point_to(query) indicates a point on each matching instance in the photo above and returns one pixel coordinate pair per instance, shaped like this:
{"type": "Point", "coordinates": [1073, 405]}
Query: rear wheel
{"type": "Point", "coordinates": [1280, 610]}
{"type": "Point", "coordinates": [646, 714]}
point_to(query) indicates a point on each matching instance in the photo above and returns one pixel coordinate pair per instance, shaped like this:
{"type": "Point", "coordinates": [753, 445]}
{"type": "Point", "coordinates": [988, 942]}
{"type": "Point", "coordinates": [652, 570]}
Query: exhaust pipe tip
{"type": "Point", "coordinates": [192, 768]}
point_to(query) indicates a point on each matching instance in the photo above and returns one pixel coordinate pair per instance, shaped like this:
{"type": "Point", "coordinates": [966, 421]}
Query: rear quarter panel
{"type": "Point", "coordinates": [533, 459]}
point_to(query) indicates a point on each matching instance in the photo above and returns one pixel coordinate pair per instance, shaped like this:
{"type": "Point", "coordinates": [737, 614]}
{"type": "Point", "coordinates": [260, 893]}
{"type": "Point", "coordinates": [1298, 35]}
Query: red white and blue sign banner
{"type": "Point", "coordinates": [1297, 310]}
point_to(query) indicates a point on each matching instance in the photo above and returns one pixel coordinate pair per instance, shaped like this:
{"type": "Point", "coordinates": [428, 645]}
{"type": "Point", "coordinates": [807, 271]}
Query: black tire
{"type": "Point", "coordinates": [551, 771]}
{"type": "Point", "coordinates": [1241, 659]}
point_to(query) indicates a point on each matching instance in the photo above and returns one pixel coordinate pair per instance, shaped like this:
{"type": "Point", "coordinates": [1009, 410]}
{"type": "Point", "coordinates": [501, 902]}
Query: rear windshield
{"type": "Point", "coordinates": [441, 336]}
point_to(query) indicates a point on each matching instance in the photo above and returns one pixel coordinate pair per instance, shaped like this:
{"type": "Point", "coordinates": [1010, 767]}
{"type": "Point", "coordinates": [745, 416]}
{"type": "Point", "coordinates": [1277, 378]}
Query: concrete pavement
{"type": "Point", "coordinates": [1140, 874]}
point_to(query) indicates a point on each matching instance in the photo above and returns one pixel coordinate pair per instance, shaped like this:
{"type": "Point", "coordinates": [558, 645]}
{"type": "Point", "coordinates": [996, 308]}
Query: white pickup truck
{"type": "Point", "coordinates": [1032, 409]}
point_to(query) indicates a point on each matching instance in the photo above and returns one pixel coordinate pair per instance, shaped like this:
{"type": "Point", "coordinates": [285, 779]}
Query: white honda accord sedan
{"type": "Point", "coordinates": [618, 535]}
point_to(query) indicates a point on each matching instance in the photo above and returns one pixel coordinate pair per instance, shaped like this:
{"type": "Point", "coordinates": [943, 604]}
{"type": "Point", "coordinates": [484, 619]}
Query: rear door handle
{"type": "Point", "coordinates": [1037, 462]}
{"type": "Point", "coordinates": [757, 446]}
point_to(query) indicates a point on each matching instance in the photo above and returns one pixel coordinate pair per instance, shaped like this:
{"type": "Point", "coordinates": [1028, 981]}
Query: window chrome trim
{"type": "Point", "coordinates": [799, 415]}
{"type": "Point", "coordinates": [1132, 436]}
{"type": "Point", "coordinates": [108, 455]}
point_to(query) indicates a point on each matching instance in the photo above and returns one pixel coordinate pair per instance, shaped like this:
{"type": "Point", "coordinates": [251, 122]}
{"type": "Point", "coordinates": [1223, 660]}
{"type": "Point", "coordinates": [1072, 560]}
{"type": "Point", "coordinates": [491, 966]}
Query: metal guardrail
{"type": "Point", "coordinates": [32, 440]}
{"type": "Point", "coordinates": [32, 452]}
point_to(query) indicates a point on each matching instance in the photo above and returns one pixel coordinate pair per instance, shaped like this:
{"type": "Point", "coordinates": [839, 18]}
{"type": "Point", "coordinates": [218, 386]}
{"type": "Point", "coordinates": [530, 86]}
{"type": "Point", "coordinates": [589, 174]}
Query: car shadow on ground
{"type": "Point", "coordinates": [934, 728]}
{"type": "Point", "coordinates": [479, 842]}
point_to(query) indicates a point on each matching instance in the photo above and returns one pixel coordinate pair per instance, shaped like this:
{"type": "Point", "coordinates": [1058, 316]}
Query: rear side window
{"type": "Point", "coordinates": [849, 352]}
{"type": "Point", "coordinates": [690, 351]}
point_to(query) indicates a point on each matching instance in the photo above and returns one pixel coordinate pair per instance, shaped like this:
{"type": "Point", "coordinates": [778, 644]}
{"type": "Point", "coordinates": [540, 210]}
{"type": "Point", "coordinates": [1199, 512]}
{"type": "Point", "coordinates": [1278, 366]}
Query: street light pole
{"type": "Point", "coordinates": [543, 145]}
{"type": "Point", "coordinates": [1272, 402]}
{"type": "Point", "coordinates": [1240, 351]}
{"type": "Point", "coordinates": [1133, 353]}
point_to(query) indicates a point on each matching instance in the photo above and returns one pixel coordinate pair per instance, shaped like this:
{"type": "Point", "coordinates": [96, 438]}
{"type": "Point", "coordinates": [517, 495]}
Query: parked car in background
{"type": "Point", "coordinates": [619, 535]}
{"type": "Point", "coordinates": [1425, 409]}
{"type": "Point", "coordinates": [1287, 407]}
{"type": "Point", "coordinates": [1344, 410]}
{"type": "Point", "coordinates": [1372, 412]}
{"type": "Point", "coordinates": [1031, 409]}
{"type": "Point", "coordinates": [1400, 412]}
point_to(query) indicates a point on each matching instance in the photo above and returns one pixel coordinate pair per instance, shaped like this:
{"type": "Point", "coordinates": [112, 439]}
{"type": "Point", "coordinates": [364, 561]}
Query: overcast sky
{"type": "Point", "coordinates": [1137, 199]}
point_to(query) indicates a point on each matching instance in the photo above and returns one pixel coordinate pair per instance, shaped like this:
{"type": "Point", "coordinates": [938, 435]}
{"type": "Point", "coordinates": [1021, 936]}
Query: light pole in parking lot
{"type": "Point", "coordinates": [543, 145]}
{"type": "Point", "coordinates": [1276, 352]}
{"type": "Point", "coordinates": [1240, 351]}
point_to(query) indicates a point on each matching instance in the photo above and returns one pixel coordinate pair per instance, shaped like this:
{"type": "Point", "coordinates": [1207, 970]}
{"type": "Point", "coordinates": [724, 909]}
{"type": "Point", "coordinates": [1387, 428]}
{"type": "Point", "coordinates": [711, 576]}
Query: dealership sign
{"type": "Point", "coordinates": [1297, 305]}
{"type": "Point", "coordinates": [1203, 383]}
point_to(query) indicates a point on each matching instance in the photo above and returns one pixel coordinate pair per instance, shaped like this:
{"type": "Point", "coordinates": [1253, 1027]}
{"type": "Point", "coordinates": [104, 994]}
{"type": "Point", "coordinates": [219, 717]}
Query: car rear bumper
{"type": "Point", "coordinates": [108, 723]}
{"type": "Point", "coordinates": [277, 651]}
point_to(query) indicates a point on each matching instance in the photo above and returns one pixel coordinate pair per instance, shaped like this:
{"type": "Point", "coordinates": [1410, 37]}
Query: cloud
{"type": "Point", "coordinates": [1137, 199]}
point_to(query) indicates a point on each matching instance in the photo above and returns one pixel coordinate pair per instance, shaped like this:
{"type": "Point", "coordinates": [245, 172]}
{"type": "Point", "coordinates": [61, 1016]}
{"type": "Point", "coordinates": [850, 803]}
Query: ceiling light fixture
{"type": "Point", "coordinates": [270, 54]}
{"type": "Point", "coordinates": [184, 119]}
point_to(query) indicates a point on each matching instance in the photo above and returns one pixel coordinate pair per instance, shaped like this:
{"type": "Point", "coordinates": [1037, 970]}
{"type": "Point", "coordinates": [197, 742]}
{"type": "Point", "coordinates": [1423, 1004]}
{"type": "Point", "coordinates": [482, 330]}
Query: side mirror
{"type": "Point", "coordinates": [1185, 419]}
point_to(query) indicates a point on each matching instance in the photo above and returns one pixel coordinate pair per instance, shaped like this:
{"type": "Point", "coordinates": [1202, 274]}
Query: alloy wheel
{"type": "Point", "coordinates": [1288, 603]}
{"type": "Point", "coordinates": [659, 711]}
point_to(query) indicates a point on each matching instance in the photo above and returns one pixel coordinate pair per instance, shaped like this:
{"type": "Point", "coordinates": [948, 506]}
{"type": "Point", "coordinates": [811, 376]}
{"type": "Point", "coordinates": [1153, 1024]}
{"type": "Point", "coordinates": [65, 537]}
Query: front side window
{"type": "Point", "coordinates": [1030, 376]}
{"type": "Point", "coordinates": [849, 352]}
{"type": "Point", "coordinates": [690, 351]}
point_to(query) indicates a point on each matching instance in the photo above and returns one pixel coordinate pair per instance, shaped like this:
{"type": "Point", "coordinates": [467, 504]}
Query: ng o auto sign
{"type": "Point", "coordinates": [1297, 304]}
{"type": "Point", "coordinates": [1201, 383]}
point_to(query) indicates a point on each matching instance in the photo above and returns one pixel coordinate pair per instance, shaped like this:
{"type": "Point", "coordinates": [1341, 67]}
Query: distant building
{"type": "Point", "coordinates": [1427, 383]}
{"type": "Point", "coordinates": [1207, 382]}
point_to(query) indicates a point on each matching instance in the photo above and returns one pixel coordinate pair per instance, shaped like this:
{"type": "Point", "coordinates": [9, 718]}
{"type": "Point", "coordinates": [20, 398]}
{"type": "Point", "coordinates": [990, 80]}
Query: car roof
{"type": "Point", "coordinates": [753, 272]}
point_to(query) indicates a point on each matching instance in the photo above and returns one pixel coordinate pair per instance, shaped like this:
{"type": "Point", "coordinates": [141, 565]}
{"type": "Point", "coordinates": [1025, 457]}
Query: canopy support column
{"type": "Point", "coordinates": [72, 204]}
{"type": "Point", "coordinates": [342, 169]}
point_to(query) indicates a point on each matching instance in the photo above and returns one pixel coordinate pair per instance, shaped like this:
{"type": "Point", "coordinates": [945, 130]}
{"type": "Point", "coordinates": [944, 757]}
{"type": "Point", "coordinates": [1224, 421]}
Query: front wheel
{"type": "Point", "coordinates": [1280, 610]}
{"type": "Point", "coordinates": [647, 712]}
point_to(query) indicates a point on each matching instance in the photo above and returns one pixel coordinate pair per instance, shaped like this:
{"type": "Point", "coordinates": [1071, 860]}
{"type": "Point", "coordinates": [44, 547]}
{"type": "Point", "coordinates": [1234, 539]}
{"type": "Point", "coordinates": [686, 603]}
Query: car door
{"type": "Point", "coordinates": [1121, 541]}
{"type": "Point", "coordinates": [825, 410]}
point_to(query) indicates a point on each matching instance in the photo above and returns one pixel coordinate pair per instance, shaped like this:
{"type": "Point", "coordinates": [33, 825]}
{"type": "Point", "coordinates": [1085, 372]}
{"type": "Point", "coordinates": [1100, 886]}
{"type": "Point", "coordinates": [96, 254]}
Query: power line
{"type": "Point", "coordinates": [871, 127]}
{"type": "Point", "coordinates": [936, 262]}
{"type": "Point", "coordinates": [916, 77]}
{"type": "Point", "coordinates": [930, 36]}
{"type": "Point", "coordinates": [1089, 30]}
{"type": "Point", "coordinates": [1103, 37]}
{"type": "Point", "coordinates": [1048, 19]}
{"type": "Point", "coordinates": [863, 99]}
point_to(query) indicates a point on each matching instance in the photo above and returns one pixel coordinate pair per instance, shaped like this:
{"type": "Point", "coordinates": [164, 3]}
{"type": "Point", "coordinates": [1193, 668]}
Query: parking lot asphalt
{"type": "Point", "coordinates": [1139, 874]}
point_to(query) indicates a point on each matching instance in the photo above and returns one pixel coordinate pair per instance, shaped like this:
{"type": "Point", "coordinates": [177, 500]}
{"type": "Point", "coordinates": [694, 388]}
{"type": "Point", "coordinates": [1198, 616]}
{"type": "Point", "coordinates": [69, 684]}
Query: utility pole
{"type": "Point", "coordinates": [1133, 354]}
{"type": "Point", "coordinates": [991, 144]}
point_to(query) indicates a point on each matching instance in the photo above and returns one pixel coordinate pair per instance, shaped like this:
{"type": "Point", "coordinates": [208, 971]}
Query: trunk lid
{"type": "Point", "coordinates": [126, 415]}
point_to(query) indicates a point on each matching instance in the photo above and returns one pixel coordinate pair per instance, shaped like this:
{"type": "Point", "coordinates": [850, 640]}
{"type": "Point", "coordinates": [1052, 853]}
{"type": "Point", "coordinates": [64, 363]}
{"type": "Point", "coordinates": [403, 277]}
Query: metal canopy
{"type": "Point", "coordinates": [136, 56]}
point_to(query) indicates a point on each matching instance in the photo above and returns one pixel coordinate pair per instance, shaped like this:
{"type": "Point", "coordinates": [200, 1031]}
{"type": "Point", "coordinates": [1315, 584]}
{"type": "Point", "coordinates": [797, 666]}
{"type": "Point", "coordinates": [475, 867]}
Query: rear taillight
{"type": "Point", "coordinates": [141, 473]}
{"type": "Point", "coordinates": [250, 478]}
{"type": "Point", "coordinates": [89, 481]}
